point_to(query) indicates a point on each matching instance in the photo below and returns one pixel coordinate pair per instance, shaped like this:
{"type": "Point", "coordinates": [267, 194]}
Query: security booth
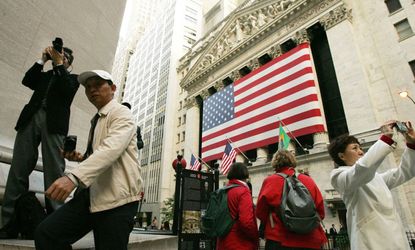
{"type": "Point", "coordinates": [191, 199]}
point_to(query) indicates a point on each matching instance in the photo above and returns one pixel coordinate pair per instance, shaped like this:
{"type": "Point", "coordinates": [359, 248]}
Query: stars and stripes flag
{"type": "Point", "coordinates": [248, 112]}
{"type": "Point", "coordinates": [194, 163]}
{"type": "Point", "coordinates": [227, 159]}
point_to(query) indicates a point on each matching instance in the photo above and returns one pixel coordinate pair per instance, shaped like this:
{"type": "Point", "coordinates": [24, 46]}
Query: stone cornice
{"type": "Point", "coordinates": [336, 16]}
{"type": "Point", "coordinates": [258, 21]}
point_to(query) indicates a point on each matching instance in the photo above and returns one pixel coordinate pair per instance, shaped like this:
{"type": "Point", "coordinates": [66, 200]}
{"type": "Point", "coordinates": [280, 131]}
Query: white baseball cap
{"type": "Point", "coordinates": [88, 74]}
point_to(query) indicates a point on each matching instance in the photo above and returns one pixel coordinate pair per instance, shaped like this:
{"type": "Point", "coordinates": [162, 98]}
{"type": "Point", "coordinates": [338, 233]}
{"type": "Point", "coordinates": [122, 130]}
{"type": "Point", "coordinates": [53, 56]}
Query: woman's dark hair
{"type": "Point", "coordinates": [69, 54]}
{"type": "Point", "coordinates": [238, 171]}
{"type": "Point", "coordinates": [339, 145]}
{"type": "Point", "coordinates": [283, 158]}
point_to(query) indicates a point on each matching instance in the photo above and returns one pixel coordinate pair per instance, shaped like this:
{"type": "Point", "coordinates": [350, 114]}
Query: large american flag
{"type": "Point", "coordinates": [227, 159]}
{"type": "Point", "coordinates": [248, 112]}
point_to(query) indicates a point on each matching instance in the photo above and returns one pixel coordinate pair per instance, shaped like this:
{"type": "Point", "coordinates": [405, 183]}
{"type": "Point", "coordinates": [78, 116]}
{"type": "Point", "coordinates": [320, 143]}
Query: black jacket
{"type": "Point", "coordinates": [63, 87]}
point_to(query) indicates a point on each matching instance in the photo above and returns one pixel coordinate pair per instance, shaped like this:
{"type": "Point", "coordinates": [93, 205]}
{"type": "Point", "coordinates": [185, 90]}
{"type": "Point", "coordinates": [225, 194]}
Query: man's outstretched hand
{"type": "Point", "coordinates": [60, 189]}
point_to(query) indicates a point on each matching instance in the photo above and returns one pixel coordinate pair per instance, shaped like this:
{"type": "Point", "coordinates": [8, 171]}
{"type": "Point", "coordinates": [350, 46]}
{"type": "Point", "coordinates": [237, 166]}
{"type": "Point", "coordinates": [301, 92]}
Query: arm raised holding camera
{"type": "Point", "coordinates": [406, 169]}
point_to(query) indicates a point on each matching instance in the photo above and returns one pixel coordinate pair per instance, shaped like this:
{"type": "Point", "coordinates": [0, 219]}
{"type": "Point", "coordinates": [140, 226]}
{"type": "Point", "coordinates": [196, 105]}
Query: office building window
{"type": "Point", "coordinates": [184, 119]}
{"type": "Point", "coordinates": [393, 5]}
{"type": "Point", "coordinates": [404, 29]}
{"type": "Point", "coordinates": [178, 138]}
{"type": "Point", "coordinates": [183, 136]}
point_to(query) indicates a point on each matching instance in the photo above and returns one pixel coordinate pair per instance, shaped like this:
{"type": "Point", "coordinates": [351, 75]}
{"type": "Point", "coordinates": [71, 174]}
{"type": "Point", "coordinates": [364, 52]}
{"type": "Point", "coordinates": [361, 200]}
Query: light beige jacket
{"type": "Point", "coordinates": [112, 171]}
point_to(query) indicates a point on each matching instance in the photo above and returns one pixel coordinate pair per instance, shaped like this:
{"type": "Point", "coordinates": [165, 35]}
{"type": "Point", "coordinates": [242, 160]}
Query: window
{"type": "Point", "coordinates": [180, 121]}
{"type": "Point", "coordinates": [404, 29]}
{"type": "Point", "coordinates": [183, 136]}
{"type": "Point", "coordinates": [393, 5]}
{"type": "Point", "coordinates": [180, 105]}
{"type": "Point", "coordinates": [184, 119]}
{"type": "Point", "coordinates": [178, 138]}
{"type": "Point", "coordinates": [412, 65]}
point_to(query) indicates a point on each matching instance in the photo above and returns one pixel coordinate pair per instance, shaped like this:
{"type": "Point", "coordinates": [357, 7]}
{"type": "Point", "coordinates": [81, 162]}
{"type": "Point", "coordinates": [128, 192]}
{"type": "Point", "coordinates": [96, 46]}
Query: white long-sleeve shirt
{"type": "Point", "coordinates": [372, 219]}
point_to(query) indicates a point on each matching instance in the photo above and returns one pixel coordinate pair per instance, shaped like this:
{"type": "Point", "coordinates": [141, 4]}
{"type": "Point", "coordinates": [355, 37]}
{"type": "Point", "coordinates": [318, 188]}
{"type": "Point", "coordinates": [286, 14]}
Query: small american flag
{"type": "Point", "coordinates": [248, 112]}
{"type": "Point", "coordinates": [227, 159]}
{"type": "Point", "coordinates": [194, 163]}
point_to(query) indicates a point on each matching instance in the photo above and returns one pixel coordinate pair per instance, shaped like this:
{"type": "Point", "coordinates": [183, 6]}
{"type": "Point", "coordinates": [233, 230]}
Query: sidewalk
{"type": "Point", "coordinates": [137, 241]}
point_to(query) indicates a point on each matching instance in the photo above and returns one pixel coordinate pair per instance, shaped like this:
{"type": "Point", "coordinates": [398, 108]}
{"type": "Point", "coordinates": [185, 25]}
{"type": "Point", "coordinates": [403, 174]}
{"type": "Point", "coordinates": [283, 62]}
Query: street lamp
{"type": "Point", "coordinates": [404, 94]}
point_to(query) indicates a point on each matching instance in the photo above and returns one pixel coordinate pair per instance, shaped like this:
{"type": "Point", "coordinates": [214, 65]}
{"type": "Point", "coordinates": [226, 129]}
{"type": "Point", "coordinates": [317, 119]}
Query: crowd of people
{"type": "Point", "coordinates": [108, 179]}
{"type": "Point", "coordinates": [372, 218]}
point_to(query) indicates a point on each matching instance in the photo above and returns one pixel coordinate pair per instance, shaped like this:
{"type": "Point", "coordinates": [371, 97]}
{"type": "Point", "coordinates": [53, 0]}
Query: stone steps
{"type": "Point", "coordinates": [137, 241]}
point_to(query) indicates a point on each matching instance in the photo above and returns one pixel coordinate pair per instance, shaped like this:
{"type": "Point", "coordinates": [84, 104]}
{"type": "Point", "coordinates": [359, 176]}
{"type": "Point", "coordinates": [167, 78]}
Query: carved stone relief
{"type": "Point", "coordinates": [336, 16]}
{"type": "Point", "coordinates": [253, 64]}
{"type": "Point", "coordinates": [253, 24]}
{"type": "Point", "coordinates": [190, 102]}
{"type": "Point", "coordinates": [301, 36]}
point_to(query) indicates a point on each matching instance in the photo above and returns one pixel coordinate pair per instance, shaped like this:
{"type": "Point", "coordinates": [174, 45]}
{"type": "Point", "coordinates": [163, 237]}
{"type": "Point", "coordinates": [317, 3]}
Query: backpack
{"type": "Point", "coordinates": [140, 143]}
{"type": "Point", "coordinates": [29, 214]}
{"type": "Point", "coordinates": [297, 210]}
{"type": "Point", "coordinates": [217, 220]}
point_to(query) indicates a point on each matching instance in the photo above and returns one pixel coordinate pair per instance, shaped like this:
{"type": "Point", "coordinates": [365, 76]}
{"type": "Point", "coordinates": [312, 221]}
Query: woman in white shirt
{"type": "Point", "coordinates": [372, 219]}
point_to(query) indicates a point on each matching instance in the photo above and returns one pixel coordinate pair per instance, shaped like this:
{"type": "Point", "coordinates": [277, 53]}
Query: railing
{"type": "Point", "coordinates": [339, 241]}
{"type": "Point", "coordinates": [411, 239]}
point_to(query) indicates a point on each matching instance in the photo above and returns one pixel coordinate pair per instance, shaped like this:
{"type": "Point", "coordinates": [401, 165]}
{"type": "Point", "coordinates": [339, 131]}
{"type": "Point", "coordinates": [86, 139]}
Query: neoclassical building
{"type": "Point", "coordinates": [363, 56]}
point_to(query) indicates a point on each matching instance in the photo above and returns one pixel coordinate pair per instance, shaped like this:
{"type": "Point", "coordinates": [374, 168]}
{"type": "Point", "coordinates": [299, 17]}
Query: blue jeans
{"type": "Point", "coordinates": [73, 220]}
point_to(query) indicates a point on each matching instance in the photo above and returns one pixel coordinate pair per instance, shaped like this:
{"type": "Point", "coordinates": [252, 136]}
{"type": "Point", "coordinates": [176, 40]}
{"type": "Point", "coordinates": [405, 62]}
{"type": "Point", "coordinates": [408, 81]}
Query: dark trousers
{"type": "Point", "coordinates": [25, 156]}
{"type": "Point", "coordinates": [73, 220]}
{"type": "Point", "coordinates": [274, 245]}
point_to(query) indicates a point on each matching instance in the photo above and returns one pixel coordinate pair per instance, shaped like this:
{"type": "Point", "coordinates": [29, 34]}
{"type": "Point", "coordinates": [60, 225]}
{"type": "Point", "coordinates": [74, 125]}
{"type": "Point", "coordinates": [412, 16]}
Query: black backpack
{"type": "Point", "coordinates": [29, 214]}
{"type": "Point", "coordinates": [297, 210]}
{"type": "Point", "coordinates": [217, 220]}
{"type": "Point", "coordinates": [140, 143]}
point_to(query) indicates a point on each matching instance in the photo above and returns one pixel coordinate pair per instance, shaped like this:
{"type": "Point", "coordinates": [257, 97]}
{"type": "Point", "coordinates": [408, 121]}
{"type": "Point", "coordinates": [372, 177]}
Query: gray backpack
{"type": "Point", "coordinates": [297, 210]}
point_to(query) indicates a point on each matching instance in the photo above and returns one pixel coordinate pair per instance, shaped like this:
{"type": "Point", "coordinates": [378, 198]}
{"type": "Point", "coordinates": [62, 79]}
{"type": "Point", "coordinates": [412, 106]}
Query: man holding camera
{"type": "Point", "coordinates": [108, 177]}
{"type": "Point", "coordinates": [44, 120]}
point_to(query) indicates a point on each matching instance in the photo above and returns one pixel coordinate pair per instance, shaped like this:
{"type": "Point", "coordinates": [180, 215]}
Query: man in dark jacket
{"type": "Point", "coordinates": [140, 143]}
{"type": "Point", "coordinates": [44, 119]}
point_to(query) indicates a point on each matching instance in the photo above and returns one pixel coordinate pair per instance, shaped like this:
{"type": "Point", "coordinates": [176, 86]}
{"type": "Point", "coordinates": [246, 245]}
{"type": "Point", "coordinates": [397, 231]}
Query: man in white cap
{"type": "Point", "coordinates": [108, 177]}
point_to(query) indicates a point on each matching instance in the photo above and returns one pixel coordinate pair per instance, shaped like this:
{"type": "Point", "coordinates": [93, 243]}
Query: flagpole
{"type": "Point", "coordinates": [283, 124]}
{"type": "Point", "coordinates": [202, 161]}
{"type": "Point", "coordinates": [249, 161]}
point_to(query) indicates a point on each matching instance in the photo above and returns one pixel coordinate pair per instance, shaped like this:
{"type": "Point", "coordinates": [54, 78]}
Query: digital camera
{"type": "Point", "coordinates": [401, 127]}
{"type": "Point", "coordinates": [69, 143]}
{"type": "Point", "coordinates": [57, 45]}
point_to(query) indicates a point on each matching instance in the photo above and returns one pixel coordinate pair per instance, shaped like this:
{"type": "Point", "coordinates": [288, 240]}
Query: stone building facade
{"type": "Point", "coordinates": [363, 54]}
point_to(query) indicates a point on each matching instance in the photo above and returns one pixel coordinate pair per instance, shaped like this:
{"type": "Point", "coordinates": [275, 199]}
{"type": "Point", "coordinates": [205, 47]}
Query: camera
{"type": "Point", "coordinates": [401, 127]}
{"type": "Point", "coordinates": [69, 143]}
{"type": "Point", "coordinates": [57, 45]}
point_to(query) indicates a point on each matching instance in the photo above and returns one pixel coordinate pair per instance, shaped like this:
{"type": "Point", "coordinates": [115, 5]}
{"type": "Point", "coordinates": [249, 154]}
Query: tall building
{"type": "Point", "coordinates": [90, 29]}
{"type": "Point", "coordinates": [152, 89]}
{"type": "Point", "coordinates": [138, 15]}
{"type": "Point", "coordinates": [362, 55]}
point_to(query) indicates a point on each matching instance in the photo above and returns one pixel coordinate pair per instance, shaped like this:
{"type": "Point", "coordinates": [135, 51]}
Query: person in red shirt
{"type": "Point", "coordinates": [269, 199]}
{"type": "Point", "coordinates": [244, 232]}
